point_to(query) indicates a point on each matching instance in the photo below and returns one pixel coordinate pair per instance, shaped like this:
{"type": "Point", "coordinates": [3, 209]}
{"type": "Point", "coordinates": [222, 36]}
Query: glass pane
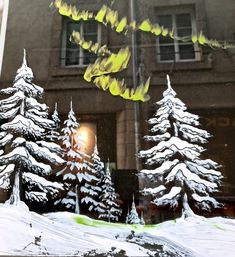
{"type": "Point", "coordinates": [186, 52]}
{"type": "Point", "coordinates": [183, 20]}
{"type": "Point", "coordinates": [166, 40]}
{"type": "Point", "coordinates": [165, 21]}
{"type": "Point", "coordinates": [167, 53]}
{"type": "Point", "coordinates": [72, 50]}
{"type": "Point", "coordinates": [71, 26]}
{"type": "Point", "coordinates": [184, 32]}
{"type": "Point", "coordinates": [72, 56]}
{"type": "Point", "coordinates": [92, 38]}
{"type": "Point", "coordinates": [90, 27]}
{"type": "Point", "coordinates": [88, 57]}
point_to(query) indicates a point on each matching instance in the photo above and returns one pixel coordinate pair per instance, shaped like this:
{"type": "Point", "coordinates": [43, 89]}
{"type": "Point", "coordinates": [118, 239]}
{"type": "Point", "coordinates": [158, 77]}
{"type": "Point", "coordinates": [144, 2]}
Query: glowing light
{"type": "Point", "coordinates": [86, 134]}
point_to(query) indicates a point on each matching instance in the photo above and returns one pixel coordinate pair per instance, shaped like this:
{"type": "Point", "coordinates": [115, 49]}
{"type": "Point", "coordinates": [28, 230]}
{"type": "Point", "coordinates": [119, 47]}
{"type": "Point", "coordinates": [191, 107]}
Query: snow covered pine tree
{"type": "Point", "coordinates": [79, 169]}
{"type": "Point", "coordinates": [53, 134]}
{"type": "Point", "coordinates": [133, 217]}
{"type": "Point", "coordinates": [92, 189]}
{"type": "Point", "coordinates": [110, 210]}
{"type": "Point", "coordinates": [27, 156]}
{"type": "Point", "coordinates": [175, 159]}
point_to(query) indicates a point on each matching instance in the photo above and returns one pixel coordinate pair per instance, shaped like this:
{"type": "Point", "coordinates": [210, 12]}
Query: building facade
{"type": "Point", "coordinates": [203, 78]}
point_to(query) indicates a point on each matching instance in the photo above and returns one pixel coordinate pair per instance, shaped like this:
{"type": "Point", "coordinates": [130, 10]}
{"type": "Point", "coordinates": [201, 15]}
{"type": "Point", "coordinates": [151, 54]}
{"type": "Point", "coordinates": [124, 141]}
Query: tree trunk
{"type": "Point", "coordinates": [15, 194]}
{"type": "Point", "coordinates": [77, 207]}
{"type": "Point", "coordinates": [186, 211]}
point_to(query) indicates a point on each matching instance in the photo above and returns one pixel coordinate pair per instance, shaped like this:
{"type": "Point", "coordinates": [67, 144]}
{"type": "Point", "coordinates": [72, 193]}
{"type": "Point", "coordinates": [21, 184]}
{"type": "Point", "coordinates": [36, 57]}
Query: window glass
{"type": "Point", "coordinates": [171, 49]}
{"type": "Point", "coordinates": [186, 52]}
{"type": "Point", "coordinates": [166, 21]}
{"type": "Point", "coordinates": [167, 53]}
{"type": "Point", "coordinates": [183, 20]}
{"type": "Point", "coordinates": [72, 54]}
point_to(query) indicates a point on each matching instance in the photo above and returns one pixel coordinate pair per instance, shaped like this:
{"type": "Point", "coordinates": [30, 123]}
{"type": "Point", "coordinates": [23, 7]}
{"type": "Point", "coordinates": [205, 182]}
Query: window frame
{"type": "Point", "coordinates": [173, 11]}
{"type": "Point", "coordinates": [81, 51]}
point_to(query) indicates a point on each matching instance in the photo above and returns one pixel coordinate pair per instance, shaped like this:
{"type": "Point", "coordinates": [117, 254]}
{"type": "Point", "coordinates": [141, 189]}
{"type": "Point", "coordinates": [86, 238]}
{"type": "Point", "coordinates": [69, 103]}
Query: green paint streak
{"type": "Point", "coordinates": [218, 227]}
{"type": "Point", "coordinates": [84, 220]}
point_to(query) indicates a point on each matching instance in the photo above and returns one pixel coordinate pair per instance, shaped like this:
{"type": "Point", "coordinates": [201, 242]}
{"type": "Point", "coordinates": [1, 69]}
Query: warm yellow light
{"type": "Point", "coordinates": [87, 134]}
{"type": "Point", "coordinates": [83, 133]}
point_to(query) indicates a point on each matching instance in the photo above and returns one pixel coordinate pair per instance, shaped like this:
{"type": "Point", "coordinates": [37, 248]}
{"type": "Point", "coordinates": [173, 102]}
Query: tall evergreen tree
{"type": "Point", "coordinates": [79, 172]}
{"type": "Point", "coordinates": [109, 209]}
{"type": "Point", "coordinates": [174, 160]}
{"type": "Point", "coordinates": [27, 157]}
{"type": "Point", "coordinates": [98, 166]}
{"type": "Point", "coordinates": [93, 189]}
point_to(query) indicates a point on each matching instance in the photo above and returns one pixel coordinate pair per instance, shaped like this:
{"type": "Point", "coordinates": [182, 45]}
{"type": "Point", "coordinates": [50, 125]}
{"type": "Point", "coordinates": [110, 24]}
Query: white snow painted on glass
{"type": "Point", "coordinates": [22, 125]}
{"type": "Point", "coordinates": [35, 196]}
{"type": "Point", "coordinates": [51, 146]}
{"type": "Point", "coordinates": [109, 209]}
{"type": "Point", "coordinates": [32, 103]}
{"type": "Point", "coordinates": [188, 175]}
{"type": "Point", "coordinates": [46, 123]}
{"type": "Point", "coordinates": [158, 137]}
{"type": "Point", "coordinates": [6, 171]}
{"type": "Point", "coordinates": [174, 161]}
{"type": "Point", "coordinates": [43, 184]}
{"type": "Point", "coordinates": [133, 217]}
{"type": "Point", "coordinates": [25, 122]}
{"type": "Point", "coordinates": [153, 191]}
{"type": "Point", "coordinates": [5, 139]}
{"type": "Point", "coordinates": [79, 172]}
{"type": "Point", "coordinates": [18, 141]}
{"type": "Point", "coordinates": [54, 134]}
{"type": "Point", "coordinates": [93, 189]}
{"type": "Point", "coordinates": [170, 198]}
{"type": "Point", "coordinates": [142, 221]}
{"type": "Point", "coordinates": [161, 170]}
{"type": "Point", "coordinates": [192, 237]}
{"type": "Point", "coordinates": [43, 152]}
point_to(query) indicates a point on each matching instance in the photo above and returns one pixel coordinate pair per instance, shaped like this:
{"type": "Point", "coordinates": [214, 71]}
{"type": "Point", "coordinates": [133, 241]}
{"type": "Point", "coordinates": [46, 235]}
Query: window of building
{"type": "Point", "coordinates": [72, 55]}
{"type": "Point", "coordinates": [183, 24]}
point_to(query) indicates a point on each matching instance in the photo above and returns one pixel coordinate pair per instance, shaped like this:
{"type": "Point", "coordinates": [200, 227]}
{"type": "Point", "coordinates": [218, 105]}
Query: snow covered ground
{"type": "Point", "coordinates": [27, 233]}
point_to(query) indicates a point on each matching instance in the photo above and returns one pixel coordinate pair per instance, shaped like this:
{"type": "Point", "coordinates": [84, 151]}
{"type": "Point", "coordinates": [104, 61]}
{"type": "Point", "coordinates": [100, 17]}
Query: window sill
{"type": "Point", "coordinates": [180, 66]}
{"type": "Point", "coordinates": [68, 71]}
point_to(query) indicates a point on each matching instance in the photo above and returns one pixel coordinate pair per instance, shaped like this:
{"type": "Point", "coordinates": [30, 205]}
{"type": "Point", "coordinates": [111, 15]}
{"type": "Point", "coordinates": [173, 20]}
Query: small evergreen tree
{"type": "Point", "coordinates": [133, 217]}
{"type": "Point", "coordinates": [142, 221]}
{"type": "Point", "coordinates": [109, 209]}
{"type": "Point", "coordinates": [54, 134]}
{"type": "Point", "coordinates": [27, 157]}
{"type": "Point", "coordinates": [174, 160]}
{"type": "Point", "coordinates": [79, 169]}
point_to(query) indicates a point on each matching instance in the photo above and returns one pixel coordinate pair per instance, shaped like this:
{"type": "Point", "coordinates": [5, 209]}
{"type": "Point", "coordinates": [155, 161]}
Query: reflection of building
{"type": "Point", "coordinates": [203, 78]}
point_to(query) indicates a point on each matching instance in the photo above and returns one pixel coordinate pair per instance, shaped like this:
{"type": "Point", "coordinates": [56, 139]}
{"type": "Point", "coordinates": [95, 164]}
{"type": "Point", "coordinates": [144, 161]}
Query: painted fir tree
{"type": "Point", "coordinates": [93, 189]}
{"type": "Point", "coordinates": [54, 134]}
{"type": "Point", "coordinates": [175, 161]}
{"type": "Point", "coordinates": [109, 209]}
{"type": "Point", "coordinates": [27, 157]}
{"type": "Point", "coordinates": [133, 217]}
{"type": "Point", "coordinates": [79, 171]}
{"type": "Point", "coordinates": [142, 221]}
